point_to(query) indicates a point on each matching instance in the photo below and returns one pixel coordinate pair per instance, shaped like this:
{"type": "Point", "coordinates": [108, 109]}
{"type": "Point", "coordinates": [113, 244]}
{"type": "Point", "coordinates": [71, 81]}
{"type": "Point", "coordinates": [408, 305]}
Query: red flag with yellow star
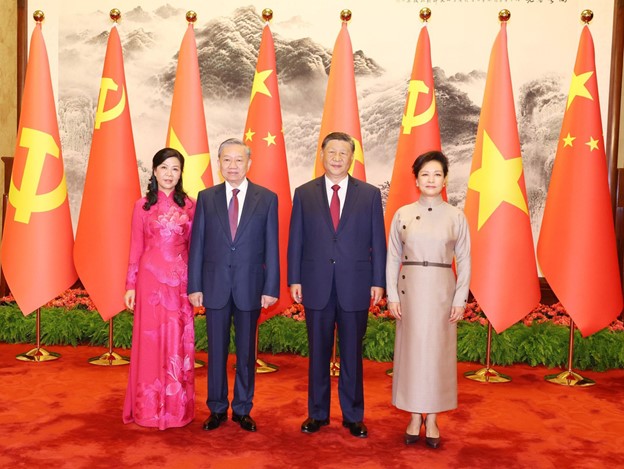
{"type": "Point", "coordinates": [265, 137]}
{"type": "Point", "coordinates": [110, 191]}
{"type": "Point", "coordinates": [576, 248]}
{"type": "Point", "coordinates": [504, 273]}
{"type": "Point", "coordinates": [187, 122]}
{"type": "Point", "coordinates": [38, 238]}
{"type": "Point", "coordinates": [420, 130]}
{"type": "Point", "coordinates": [341, 108]}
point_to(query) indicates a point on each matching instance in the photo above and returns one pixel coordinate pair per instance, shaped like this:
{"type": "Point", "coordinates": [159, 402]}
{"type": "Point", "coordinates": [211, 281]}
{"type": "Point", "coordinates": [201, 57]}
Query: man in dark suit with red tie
{"type": "Point", "coordinates": [336, 268]}
{"type": "Point", "coordinates": [233, 272]}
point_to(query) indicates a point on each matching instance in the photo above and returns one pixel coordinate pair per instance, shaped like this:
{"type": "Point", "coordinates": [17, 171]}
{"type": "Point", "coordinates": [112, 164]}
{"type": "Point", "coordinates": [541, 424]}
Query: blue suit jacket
{"type": "Point", "coordinates": [248, 266]}
{"type": "Point", "coordinates": [355, 253]}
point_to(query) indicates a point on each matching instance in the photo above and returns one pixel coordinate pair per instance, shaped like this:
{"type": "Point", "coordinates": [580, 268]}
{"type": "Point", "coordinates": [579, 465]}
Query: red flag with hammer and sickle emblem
{"type": "Point", "coordinates": [38, 238]}
{"type": "Point", "coordinates": [111, 189]}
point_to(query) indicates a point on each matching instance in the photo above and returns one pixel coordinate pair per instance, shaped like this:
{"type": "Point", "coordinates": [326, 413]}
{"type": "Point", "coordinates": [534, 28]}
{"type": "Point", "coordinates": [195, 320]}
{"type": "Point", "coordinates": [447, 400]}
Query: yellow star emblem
{"type": "Point", "coordinates": [259, 85]}
{"type": "Point", "coordinates": [194, 166]}
{"type": "Point", "coordinates": [567, 141]}
{"type": "Point", "coordinates": [496, 181]}
{"type": "Point", "coordinates": [593, 144]}
{"type": "Point", "coordinates": [249, 135]}
{"type": "Point", "coordinates": [578, 88]}
{"type": "Point", "coordinates": [270, 139]}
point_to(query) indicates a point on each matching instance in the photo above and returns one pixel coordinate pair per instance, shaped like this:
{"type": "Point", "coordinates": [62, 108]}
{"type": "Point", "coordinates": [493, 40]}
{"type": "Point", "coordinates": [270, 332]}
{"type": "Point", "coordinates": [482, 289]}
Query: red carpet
{"type": "Point", "coordinates": [67, 414]}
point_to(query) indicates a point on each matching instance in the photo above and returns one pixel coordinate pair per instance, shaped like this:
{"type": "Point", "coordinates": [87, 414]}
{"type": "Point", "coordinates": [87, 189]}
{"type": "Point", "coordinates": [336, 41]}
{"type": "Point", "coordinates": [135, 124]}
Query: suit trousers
{"type": "Point", "coordinates": [351, 329]}
{"type": "Point", "coordinates": [218, 324]}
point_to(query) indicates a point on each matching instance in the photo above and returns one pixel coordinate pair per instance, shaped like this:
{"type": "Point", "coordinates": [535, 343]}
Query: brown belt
{"type": "Point", "coordinates": [427, 263]}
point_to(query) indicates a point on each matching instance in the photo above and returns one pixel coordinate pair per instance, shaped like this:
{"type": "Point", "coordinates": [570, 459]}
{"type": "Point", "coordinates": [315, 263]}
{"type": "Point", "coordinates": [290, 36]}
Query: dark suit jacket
{"type": "Point", "coordinates": [355, 253]}
{"type": "Point", "coordinates": [247, 267]}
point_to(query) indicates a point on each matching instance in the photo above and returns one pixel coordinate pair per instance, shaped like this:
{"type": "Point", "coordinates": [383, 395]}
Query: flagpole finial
{"type": "Point", "coordinates": [115, 15]}
{"type": "Point", "coordinates": [191, 16]}
{"type": "Point", "coordinates": [38, 16]}
{"type": "Point", "coordinates": [267, 14]}
{"type": "Point", "coordinates": [587, 16]}
{"type": "Point", "coordinates": [504, 15]}
{"type": "Point", "coordinates": [345, 15]}
{"type": "Point", "coordinates": [425, 14]}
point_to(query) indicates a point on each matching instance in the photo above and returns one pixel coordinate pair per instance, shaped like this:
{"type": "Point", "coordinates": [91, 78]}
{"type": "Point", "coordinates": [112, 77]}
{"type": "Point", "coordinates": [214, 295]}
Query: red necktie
{"type": "Point", "coordinates": [233, 212]}
{"type": "Point", "coordinates": [334, 206]}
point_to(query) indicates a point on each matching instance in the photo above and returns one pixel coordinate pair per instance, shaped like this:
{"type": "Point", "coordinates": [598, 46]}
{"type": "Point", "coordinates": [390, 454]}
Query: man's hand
{"type": "Point", "coordinates": [266, 301]}
{"type": "Point", "coordinates": [295, 292]}
{"type": "Point", "coordinates": [376, 294]}
{"type": "Point", "coordinates": [196, 299]}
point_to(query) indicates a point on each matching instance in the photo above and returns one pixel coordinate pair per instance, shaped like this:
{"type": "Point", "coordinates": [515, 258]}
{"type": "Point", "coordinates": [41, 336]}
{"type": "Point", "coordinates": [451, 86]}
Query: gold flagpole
{"type": "Point", "coordinates": [487, 374]}
{"type": "Point", "coordinates": [38, 354]}
{"type": "Point", "coordinates": [334, 365]}
{"type": "Point", "coordinates": [110, 358]}
{"type": "Point", "coordinates": [569, 377]}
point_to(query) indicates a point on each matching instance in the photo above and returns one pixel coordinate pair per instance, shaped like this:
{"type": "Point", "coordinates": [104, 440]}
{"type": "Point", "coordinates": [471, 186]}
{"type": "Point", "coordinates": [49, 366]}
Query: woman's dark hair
{"type": "Point", "coordinates": [152, 188]}
{"type": "Point", "coordinates": [425, 158]}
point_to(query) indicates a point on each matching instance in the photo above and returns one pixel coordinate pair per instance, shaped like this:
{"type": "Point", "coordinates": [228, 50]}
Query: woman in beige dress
{"type": "Point", "coordinates": [427, 299]}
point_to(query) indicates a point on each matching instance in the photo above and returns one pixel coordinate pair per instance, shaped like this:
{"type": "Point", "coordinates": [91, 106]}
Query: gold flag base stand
{"type": "Point", "coordinates": [487, 375]}
{"type": "Point", "coordinates": [264, 367]}
{"type": "Point", "coordinates": [109, 358]}
{"type": "Point", "coordinates": [569, 377]}
{"type": "Point", "coordinates": [38, 354]}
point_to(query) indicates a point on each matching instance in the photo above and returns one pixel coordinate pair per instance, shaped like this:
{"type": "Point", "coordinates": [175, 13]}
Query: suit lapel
{"type": "Point", "coordinates": [321, 199]}
{"type": "Point", "coordinates": [251, 200]}
{"type": "Point", "coordinates": [353, 191]}
{"type": "Point", "coordinates": [220, 201]}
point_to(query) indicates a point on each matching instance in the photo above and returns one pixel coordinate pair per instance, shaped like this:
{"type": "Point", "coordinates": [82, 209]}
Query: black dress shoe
{"type": "Point", "coordinates": [215, 419]}
{"type": "Point", "coordinates": [245, 421]}
{"type": "Point", "coordinates": [311, 425]}
{"type": "Point", "coordinates": [357, 429]}
{"type": "Point", "coordinates": [411, 439]}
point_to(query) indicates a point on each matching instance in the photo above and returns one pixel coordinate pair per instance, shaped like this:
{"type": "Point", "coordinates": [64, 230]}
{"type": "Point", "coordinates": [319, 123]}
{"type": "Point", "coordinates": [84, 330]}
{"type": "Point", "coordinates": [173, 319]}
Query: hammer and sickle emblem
{"type": "Point", "coordinates": [411, 119]}
{"type": "Point", "coordinates": [26, 200]}
{"type": "Point", "coordinates": [103, 116]}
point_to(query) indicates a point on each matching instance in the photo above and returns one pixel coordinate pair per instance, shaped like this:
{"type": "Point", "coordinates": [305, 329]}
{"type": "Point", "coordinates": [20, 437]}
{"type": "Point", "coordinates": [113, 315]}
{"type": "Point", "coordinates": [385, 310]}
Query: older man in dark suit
{"type": "Point", "coordinates": [233, 272]}
{"type": "Point", "coordinates": [336, 268]}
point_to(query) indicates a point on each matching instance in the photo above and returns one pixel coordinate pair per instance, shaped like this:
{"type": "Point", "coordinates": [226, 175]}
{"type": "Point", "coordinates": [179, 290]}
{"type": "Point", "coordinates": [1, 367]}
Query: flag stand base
{"type": "Point", "coordinates": [38, 354]}
{"type": "Point", "coordinates": [109, 359]}
{"type": "Point", "coordinates": [264, 367]}
{"type": "Point", "coordinates": [334, 368]}
{"type": "Point", "coordinates": [487, 375]}
{"type": "Point", "coordinates": [569, 378]}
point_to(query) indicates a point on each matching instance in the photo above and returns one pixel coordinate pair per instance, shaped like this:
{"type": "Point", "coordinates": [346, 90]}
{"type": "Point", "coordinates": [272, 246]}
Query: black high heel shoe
{"type": "Point", "coordinates": [431, 441]}
{"type": "Point", "coordinates": [412, 439]}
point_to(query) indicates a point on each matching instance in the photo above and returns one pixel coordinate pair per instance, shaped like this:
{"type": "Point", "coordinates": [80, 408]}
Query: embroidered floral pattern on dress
{"type": "Point", "coordinates": [161, 390]}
